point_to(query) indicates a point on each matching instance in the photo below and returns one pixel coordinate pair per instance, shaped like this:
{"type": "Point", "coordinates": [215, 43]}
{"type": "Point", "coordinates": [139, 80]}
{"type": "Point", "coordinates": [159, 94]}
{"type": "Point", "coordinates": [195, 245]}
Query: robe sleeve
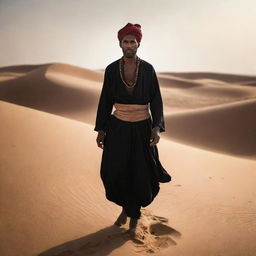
{"type": "Point", "coordinates": [105, 104]}
{"type": "Point", "coordinates": [156, 104]}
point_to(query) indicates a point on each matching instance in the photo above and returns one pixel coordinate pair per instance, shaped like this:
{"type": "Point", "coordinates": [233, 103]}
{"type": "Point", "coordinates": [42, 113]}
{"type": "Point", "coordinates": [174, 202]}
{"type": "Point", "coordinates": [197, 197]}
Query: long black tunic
{"type": "Point", "coordinates": [130, 167]}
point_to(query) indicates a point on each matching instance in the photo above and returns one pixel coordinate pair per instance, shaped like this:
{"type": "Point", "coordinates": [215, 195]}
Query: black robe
{"type": "Point", "coordinates": [130, 167]}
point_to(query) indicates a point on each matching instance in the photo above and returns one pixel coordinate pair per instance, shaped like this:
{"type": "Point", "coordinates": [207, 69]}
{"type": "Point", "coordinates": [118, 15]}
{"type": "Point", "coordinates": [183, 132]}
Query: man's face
{"type": "Point", "coordinates": [129, 45]}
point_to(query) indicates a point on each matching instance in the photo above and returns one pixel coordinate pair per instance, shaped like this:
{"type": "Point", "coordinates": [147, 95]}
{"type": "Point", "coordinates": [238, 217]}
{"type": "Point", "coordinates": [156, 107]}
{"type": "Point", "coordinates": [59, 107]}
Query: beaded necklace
{"type": "Point", "coordinates": [121, 69]}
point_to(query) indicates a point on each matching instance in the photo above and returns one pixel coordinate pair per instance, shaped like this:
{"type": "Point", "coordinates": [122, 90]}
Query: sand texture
{"type": "Point", "coordinates": [51, 195]}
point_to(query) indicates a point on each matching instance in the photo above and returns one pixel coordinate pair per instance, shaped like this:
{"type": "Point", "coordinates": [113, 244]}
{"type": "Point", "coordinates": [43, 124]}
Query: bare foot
{"type": "Point", "coordinates": [133, 225]}
{"type": "Point", "coordinates": [121, 220]}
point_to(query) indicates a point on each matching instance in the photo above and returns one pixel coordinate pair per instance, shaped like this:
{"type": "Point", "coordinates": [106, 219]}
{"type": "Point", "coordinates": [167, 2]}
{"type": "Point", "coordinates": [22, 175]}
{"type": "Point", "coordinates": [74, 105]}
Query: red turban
{"type": "Point", "coordinates": [132, 29]}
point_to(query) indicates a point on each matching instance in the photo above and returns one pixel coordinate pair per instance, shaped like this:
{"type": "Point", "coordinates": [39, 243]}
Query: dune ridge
{"type": "Point", "coordinates": [212, 75]}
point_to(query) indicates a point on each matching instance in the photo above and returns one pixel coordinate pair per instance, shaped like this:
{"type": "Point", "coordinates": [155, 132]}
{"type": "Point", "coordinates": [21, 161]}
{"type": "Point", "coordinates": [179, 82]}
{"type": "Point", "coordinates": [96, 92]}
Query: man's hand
{"type": "Point", "coordinates": [100, 139]}
{"type": "Point", "coordinates": [155, 136]}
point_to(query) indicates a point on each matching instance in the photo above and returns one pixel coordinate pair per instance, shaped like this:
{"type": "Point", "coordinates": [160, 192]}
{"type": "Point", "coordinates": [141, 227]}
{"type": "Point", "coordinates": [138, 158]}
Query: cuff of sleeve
{"type": "Point", "coordinates": [161, 128]}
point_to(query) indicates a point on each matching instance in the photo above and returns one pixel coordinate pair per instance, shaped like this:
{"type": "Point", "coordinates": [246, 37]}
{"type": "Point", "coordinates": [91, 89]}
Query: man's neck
{"type": "Point", "coordinates": [130, 60]}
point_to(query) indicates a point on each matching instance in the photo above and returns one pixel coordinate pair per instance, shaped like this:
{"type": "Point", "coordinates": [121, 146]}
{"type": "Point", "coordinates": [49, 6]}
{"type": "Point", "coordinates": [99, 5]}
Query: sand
{"type": "Point", "coordinates": [51, 196]}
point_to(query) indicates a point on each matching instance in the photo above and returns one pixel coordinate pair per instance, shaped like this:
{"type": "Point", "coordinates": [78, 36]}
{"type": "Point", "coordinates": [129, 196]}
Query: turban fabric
{"type": "Point", "coordinates": [132, 29]}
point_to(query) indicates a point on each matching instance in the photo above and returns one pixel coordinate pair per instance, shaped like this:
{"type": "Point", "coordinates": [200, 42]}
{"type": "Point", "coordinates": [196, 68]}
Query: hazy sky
{"type": "Point", "coordinates": [178, 35]}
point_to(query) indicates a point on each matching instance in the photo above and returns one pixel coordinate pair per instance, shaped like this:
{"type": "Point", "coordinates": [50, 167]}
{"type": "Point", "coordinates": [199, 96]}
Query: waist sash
{"type": "Point", "coordinates": [131, 112]}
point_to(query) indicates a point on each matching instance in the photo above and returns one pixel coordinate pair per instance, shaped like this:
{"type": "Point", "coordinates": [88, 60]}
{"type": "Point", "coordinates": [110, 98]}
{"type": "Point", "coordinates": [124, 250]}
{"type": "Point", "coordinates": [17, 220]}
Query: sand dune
{"type": "Point", "coordinates": [60, 69]}
{"type": "Point", "coordinates": [228, 128]}
{"type": "Point", "coordinates": [176, 82]}
{"type": "Point", "coordinates": [71, 91]}
{"type": "Point", "coordinates": [53, 201]}
{"type": "Point", "coordinates": [231, 78]}
{"type": "Point", "coordinates": [51, 196]}
{"type": "Point", "coordinates": [65, 95]}
{"type": "Point", "coordinates": [21, 68]}
{"type": "Point", "coordinates": [50, 187]}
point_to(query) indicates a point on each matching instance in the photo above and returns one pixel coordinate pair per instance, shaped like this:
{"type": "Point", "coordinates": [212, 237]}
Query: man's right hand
{"type": "Point", "coordinates": [100, 139]}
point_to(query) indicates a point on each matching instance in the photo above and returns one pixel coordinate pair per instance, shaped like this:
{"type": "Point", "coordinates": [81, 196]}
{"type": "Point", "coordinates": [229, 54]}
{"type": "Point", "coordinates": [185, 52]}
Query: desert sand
{"type": "Point", "coordinates": [51, 196]}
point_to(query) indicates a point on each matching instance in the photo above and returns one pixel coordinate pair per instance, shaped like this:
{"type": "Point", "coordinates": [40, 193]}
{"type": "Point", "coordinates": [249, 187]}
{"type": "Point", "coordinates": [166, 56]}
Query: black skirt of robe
{"type": "Point", "coordinates": [130, 167]}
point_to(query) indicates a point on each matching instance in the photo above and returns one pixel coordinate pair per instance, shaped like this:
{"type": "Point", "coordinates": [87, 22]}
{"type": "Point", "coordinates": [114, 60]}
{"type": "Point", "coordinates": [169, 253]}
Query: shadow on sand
{"type": "Point", "coordinates": [103, 241]}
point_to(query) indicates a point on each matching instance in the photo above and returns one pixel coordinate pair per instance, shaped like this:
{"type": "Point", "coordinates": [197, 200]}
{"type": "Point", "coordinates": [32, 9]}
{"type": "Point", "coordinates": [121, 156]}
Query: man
{"type": "Point", "coordinates": [130, 166]}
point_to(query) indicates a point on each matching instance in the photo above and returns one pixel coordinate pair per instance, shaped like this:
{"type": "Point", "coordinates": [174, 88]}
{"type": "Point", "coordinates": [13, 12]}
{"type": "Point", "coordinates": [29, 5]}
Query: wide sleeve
{"type": "Point", "coordinates": [105, 104]}
{"type": "Point", "coordinates": [156, 104]}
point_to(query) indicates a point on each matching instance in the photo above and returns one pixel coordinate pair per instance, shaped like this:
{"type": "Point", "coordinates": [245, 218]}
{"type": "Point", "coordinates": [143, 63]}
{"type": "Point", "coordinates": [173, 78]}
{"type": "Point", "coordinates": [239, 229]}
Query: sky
{"type": "Point", "coordinates": [177, 35]}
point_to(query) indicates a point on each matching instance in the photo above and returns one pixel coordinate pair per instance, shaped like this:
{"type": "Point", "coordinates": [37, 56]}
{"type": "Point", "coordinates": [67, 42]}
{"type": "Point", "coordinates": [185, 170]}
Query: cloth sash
{"type": "Point", "coordinates": [131, 112]}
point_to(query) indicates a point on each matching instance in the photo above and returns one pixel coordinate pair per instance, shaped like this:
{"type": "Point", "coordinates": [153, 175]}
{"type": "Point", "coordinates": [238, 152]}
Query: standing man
{"type": "Point", "coordinates": [130, 165]}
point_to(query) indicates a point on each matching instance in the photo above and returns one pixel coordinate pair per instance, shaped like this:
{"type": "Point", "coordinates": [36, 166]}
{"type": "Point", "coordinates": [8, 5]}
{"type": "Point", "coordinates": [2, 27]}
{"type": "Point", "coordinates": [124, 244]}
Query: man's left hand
{"type": "Point", "coordinates": [155, 136]}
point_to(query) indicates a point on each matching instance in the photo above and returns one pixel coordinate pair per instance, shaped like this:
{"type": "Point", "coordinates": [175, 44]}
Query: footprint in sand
{"type": "Point", "coordinates": [153, 233]}
{"type": "Point", "coordinates": [159, 218]}
{"type": "Point", "coordinates": [160, 229]}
